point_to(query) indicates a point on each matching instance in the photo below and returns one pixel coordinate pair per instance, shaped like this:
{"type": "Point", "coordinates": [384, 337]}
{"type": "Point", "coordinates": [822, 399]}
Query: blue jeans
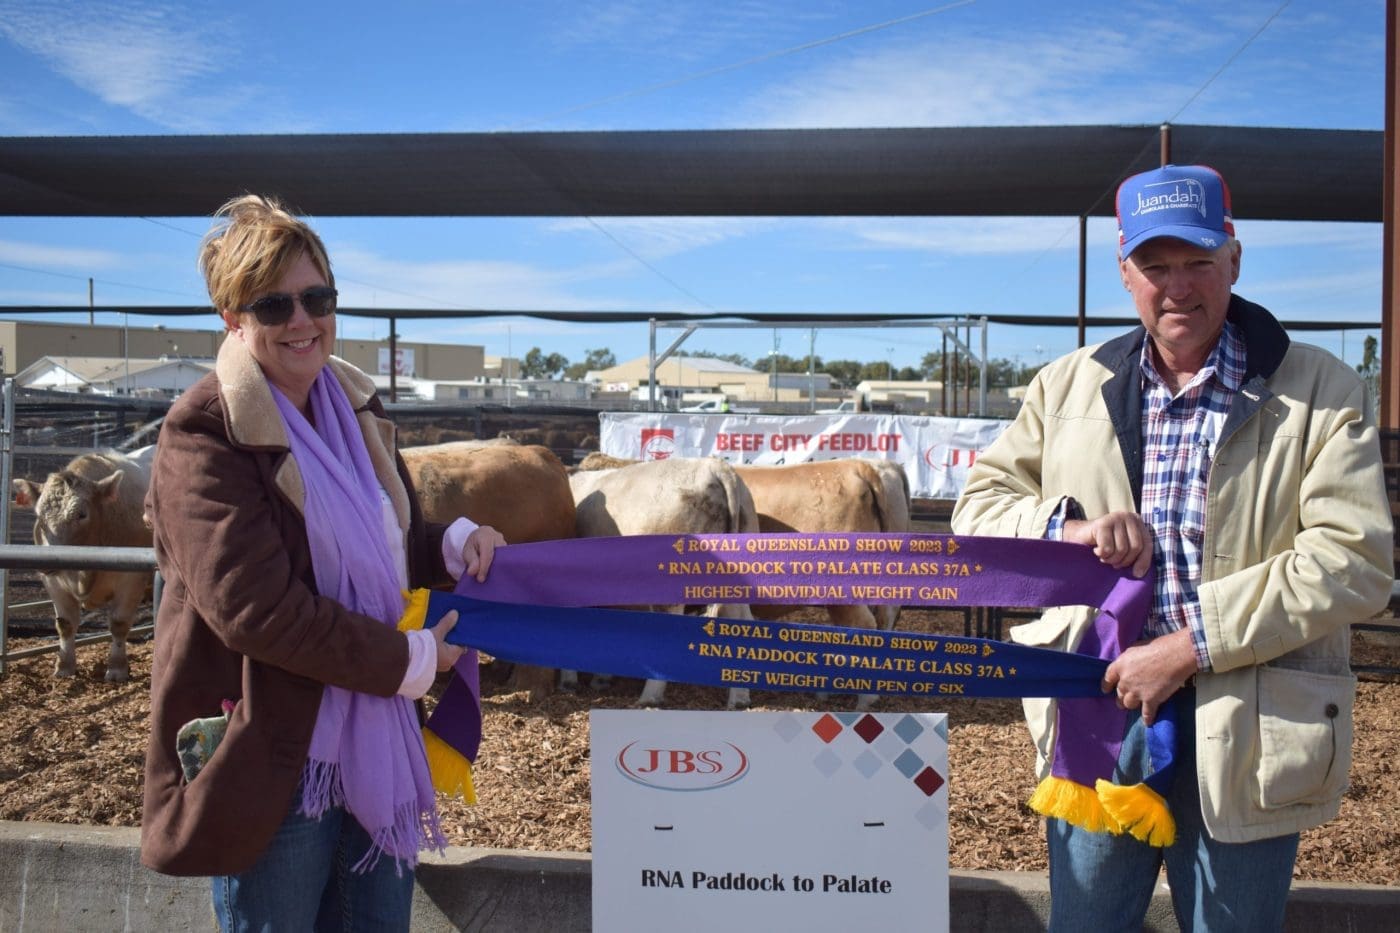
{"type": "Point", "coordinates": [1103, 882]}
{"type": "Point", "coordinates": [303, 881]}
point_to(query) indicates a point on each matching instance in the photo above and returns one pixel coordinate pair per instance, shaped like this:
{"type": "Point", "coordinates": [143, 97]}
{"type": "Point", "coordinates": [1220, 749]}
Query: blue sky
{"type": "Point", "coordinates": [83, 67]}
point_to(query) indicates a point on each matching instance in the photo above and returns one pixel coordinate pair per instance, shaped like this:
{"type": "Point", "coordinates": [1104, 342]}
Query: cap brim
{"type": "Point", "coordinates": [1201, 237]}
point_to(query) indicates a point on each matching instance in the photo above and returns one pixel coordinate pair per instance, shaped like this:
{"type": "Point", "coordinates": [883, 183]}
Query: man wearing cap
{"type": "Point", "coordinates": [1244, 470]}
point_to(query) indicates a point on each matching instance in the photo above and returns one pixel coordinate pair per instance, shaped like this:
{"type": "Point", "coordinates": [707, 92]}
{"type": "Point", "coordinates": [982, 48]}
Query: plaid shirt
{"type": "Point", "coordinates": [1179, 438]}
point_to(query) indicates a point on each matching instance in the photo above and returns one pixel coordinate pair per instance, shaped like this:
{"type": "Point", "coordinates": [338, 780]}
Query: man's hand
{"type": "Point", "coordinates": [479, 550]}
{"type": "Point", "coordinates": [447, 655]}
{"type": "Point", "coordinates": [1119, 539]}
{"type": "Point", "coordinates": [1149, 672]}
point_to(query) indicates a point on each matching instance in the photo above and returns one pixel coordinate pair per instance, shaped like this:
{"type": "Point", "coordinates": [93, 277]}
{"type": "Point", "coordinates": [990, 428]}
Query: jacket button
{"type": "Point", "coordinates": [1331, 711]}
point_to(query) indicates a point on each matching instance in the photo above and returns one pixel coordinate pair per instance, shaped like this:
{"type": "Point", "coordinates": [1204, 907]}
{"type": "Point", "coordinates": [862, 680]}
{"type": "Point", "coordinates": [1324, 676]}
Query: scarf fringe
{"type": "Point", "coordinates": [1074, 803]}
{"type": "Point", "coordinates": [1139, 810]}
{"type": "Point", "coordinates": [412, 829]}
{"type": "Point", "coordinates": [450, 770]}
{"type": "Point", "coordinates": [321, 788]}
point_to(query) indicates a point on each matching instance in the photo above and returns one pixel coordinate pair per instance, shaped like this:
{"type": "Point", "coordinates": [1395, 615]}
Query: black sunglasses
{"type": "Point", "coordinates": [277, 308]}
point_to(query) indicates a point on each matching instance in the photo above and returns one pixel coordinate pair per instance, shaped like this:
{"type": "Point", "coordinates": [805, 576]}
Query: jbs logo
{"type": "Point", "coordinates": [667, 767]}
{"type": "Point", "coordinates": [658, 443]}
{"type": "Point", "coordinates": [948, 458]}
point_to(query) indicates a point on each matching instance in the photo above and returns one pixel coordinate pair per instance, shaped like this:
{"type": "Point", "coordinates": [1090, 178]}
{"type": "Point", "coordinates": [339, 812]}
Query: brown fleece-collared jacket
{"type": "Point", "coordinates": [240, 618]}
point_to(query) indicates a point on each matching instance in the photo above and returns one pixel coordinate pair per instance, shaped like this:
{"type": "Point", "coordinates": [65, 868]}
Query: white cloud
{"type": "Point", "coordinates": [683, 31]}
{"type": "Point", "coordinates": [37, 255]}
{"type": "Point", "coordinates": [952, 82]}
{"type": "Point", "coordinates": [151, 60]}
{"type": "Point", "coordinates": [659, 237]}
{"type": "Point", "coordinates": [18, 296]}
{"type": "Point", "coordinates": [966, 235]}
{"type": "Point", "coordinates": [1047, 66]}
{"type": "Point", "coordinates": [465, 283]}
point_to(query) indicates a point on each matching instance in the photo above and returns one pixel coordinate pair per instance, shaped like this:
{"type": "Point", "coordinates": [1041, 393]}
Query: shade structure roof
{"type": "Point", "coordinates": [1274, 173]}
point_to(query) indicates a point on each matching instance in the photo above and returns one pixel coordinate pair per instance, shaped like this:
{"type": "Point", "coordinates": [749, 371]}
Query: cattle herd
{"type": "Point", "coordinates": [525, 492]}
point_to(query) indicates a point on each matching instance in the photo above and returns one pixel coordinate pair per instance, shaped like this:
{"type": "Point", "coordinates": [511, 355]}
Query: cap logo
{"type": "Point", "coordinates": [1185, 193]}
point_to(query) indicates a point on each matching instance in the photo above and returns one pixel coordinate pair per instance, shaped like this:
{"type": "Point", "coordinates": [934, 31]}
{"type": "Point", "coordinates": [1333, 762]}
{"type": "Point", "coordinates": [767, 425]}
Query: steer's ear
{"type": "Point", "coordinates": [26, 493]}
{"type": "Point", "coordinates": [107, 487]}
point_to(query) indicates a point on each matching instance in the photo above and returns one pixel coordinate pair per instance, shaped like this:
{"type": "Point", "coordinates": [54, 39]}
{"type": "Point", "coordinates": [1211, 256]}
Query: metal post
{"type": "Point", "coordinates": [7, 460]}
{"type": "Point", "coordinates": [812, 370]}
{"type": "Point", "coordinates": [393, 360]}
{"type": "Point", "coordinates": [1389, 415]}
{"type": "Point", "coordinates": [773, 365]}
{"type": "Point", "coordinates": [1083, 274]}
{"type": "Point", "coordinates": [982, 403]}
{"type": "Point", "coordinates": [651, 368]}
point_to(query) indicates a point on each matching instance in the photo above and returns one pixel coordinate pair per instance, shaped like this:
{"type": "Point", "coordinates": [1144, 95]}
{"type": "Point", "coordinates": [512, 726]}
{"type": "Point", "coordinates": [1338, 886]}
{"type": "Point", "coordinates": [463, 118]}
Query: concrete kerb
{"type": "Point", "coordinates": [61, 877]}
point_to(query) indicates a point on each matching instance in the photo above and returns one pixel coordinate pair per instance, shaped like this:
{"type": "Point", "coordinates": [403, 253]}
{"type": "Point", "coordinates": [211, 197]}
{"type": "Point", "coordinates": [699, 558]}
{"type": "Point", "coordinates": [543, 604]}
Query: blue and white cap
{"type": "Point", "coordinates": [1188, 202]}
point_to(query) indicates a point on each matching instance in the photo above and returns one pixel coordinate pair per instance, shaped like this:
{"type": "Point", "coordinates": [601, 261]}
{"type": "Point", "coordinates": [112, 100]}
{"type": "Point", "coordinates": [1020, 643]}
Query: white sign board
{"type": "Point", "coordinates": [934, 452]}
{"type": "Point", "coordinates": [711, 821]}
{"type": "Point", "coordinates": [403, 361]}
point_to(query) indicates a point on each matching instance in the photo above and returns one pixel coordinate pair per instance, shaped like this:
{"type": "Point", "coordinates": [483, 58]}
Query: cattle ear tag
{"type": "Point", "coordinates": [709, 629]}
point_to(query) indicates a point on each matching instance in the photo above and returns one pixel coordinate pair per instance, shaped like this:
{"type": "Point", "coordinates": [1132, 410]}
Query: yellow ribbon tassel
{"type": "Point", "coordinates": [415, 611]}
{"type": "Point", "coordinates": [451, 772]}
{"type": "Point", "coordinates": [1074, 803]}
{"type": "Point", "coordinates": [1139, 810]}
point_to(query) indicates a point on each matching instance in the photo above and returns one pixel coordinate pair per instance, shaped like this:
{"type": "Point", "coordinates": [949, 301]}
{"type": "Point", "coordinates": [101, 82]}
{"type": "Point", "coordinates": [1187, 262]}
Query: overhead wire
{"type": "Point", "coordinates": [675, 82]}
{"type": "Point", "coordinates": [735, 66]}
{"type": "Point", "coordinates": [1147, 146]}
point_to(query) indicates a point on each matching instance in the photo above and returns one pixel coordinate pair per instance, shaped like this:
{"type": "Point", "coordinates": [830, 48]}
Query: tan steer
{"type": "Point", "coordinates": [520, 490]}
{"type": "Point", "coordinates": [678, 496]}
{"type": "Point", "coordinates": [94, 501]}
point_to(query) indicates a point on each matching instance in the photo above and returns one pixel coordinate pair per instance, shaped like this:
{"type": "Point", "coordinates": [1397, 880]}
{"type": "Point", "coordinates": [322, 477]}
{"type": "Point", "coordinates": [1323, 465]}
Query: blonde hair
{"type": "Point", "coordinates": [253, 242]}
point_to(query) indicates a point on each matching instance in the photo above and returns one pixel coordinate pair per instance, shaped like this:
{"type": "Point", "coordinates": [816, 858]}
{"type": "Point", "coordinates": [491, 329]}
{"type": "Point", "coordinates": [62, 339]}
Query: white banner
{"type": "Point", "coordinates": [403, 361]}
{"type": "Point", "coordinates": [706, 821]}
{"type": "Point", "coordinates": [934, 452]}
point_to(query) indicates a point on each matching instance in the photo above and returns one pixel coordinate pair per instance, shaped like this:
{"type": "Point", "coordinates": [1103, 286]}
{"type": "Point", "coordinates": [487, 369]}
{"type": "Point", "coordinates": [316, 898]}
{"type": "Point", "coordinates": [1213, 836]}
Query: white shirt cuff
{"type": "Point", "coordinates": [452, 543]}
{"type": "Point", "coordinates": [422, 664]}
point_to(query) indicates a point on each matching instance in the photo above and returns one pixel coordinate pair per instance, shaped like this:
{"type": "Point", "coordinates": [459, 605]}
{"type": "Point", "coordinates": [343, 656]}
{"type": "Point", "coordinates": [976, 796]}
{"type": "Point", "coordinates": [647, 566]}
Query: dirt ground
{"type": "Point", "coordinates": [71, 751]}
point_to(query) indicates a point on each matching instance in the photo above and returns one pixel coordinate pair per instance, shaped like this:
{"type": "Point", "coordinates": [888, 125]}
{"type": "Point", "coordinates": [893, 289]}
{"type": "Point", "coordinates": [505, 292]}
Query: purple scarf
{"type": "Point", "coordinates": [366, 752]}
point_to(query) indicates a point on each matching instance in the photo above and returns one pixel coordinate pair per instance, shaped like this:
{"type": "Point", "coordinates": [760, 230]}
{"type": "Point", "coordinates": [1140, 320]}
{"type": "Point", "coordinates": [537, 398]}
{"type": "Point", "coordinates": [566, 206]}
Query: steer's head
{"type": "Point", "coordinates": [68, 508]}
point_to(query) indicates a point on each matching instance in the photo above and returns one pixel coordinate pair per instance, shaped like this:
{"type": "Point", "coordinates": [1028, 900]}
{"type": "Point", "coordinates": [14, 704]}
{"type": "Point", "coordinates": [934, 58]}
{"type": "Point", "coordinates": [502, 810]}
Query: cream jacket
{"type": "Point", "coordinates": [1298, 545]}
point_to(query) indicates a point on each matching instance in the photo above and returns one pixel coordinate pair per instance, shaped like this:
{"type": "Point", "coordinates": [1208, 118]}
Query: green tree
{"type": "Point", "coordinates": [1370, 370]}
{"type": "Point", "coordinates": [592, 360]}
{"type": "Point", "coordinates": [736, 358]}
{"type": "Point", "coordinates": [539, 365]}
{"type": "Point", "coordinates": [844, 372]}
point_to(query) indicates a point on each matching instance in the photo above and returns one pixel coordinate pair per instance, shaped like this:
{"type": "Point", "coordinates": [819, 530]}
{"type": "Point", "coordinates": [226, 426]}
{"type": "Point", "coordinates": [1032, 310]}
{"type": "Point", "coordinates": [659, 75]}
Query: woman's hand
{"type": "Point", "coordinates": [447, 655]}
{"type": "Point", "coordinates": [479, 550]}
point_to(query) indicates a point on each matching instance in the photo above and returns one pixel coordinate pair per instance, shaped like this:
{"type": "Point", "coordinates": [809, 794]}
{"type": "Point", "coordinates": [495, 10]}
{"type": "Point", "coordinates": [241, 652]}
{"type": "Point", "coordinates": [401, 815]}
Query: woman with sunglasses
{"type": "Point", "coordinates": [285, 529]}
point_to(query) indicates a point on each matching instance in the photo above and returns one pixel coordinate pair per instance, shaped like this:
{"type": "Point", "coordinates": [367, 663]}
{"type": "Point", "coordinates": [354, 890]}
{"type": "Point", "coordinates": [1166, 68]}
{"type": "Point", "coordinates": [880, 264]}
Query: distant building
{"type": "Point", "coordinates": [681, 377]}
{"type": "Point", "coordinates": [23, 342]}
{"type": "Point", "coordinates": [165, 377]}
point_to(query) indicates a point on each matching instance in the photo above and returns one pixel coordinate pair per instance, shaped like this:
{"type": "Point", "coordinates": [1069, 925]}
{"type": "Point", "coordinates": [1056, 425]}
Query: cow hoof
{"type": "Point", "coordinates": [569, 687]}
{"type": "Point", "coordinates": [65, 672]}
{"type": "Point", "coordinates": [116, 676]}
